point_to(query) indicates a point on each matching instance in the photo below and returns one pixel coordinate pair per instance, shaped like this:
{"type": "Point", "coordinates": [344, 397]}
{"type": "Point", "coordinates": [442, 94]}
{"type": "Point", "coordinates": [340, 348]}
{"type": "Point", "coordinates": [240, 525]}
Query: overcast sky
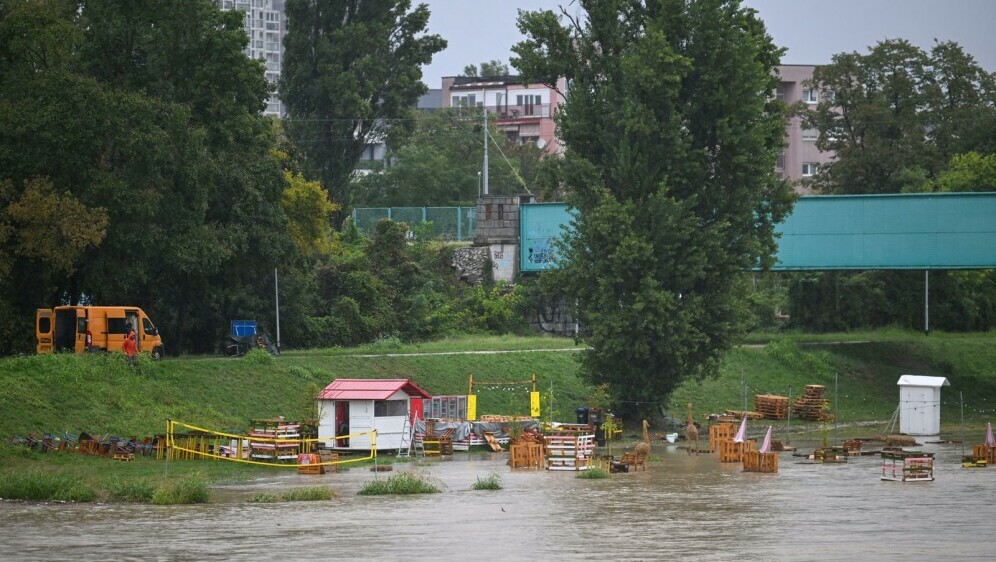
{"type": "Point", "coordinates": [812, 31]}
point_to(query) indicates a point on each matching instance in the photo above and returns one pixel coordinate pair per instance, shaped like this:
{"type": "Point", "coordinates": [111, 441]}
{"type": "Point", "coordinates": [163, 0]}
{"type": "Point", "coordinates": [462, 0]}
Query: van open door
{"type": "Point", "coordinates": [44, 330]}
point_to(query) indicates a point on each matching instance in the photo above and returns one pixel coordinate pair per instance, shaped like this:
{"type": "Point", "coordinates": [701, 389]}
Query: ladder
{"type": "Point", "coordinates": [409, 441]}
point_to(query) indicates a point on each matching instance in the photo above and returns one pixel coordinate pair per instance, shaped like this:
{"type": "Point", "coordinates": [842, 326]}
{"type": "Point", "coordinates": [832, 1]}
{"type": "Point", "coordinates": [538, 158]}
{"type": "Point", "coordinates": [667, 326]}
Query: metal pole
{"type": "Point", "coordinates": [789, 429]}
{"type": "Point", "coordinates": [926, 302]}
{"type": "Point", "coordinates": [836, 412]}
{"type": "Point", "coordinates": [276, 294]}
{"type": "Point", "coordinates": [962, 400]}
{"type": "Point", "coordinates": [485, 107]}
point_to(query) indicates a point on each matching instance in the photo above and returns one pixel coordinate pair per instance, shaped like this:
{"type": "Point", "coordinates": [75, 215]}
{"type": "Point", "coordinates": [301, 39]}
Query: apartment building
{"type": "Point", "coordinates": [801, 159]}
{"type": "Point", "coordinates": [522, 112]}
{"type": "Point", "coordinates": [266, 25]}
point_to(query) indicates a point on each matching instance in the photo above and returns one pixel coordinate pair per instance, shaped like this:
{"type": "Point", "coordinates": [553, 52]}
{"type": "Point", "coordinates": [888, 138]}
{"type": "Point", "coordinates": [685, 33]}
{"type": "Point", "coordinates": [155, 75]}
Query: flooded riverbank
{"type": "Point", "coordinates": [683, 508]}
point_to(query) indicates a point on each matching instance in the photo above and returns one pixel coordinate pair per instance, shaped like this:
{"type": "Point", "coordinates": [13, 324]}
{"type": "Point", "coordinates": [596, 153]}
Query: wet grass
{"type": "Point", "coordinates": [593, 473]}
{"type": "Point", "coordinates": [315, 493]}
{"type": "Point", "coordinates": [186, 490]}
{"type": "Point", "coordinates": [489, 482]}
{"type": "Point", "coordinates": [402, 483]}
{"type": "Point", "coordinates": [43, 486]}
{"type": "Point", "coordinates": [263, 497]}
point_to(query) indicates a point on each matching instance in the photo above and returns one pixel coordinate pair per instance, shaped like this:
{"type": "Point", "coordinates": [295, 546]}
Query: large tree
{"type": "Point", "coordinates": [144, 118]}
{"type": "Point", "coordinates": [351, 72]}
{"type": "Point", "coordinates": [671, 134]}
{"type": "Point", "coordinates": [895, 116]}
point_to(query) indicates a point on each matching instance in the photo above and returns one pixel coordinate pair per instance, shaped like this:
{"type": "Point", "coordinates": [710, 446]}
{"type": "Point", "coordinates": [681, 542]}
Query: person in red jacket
{"type": "Point", "coordinates": [129, 348]}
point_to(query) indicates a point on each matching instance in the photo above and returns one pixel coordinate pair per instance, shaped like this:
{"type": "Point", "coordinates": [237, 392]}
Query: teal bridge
{"type": "Point", "coordinates": [839, 232]}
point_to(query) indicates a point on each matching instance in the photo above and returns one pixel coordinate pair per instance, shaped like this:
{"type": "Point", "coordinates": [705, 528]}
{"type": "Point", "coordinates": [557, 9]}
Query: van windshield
{"type": "Point", "coordinates": [150, 330]}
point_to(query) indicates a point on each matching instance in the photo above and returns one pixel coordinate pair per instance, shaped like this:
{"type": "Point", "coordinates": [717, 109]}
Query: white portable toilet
{"type": "Point", "coordinates": [920, 404]}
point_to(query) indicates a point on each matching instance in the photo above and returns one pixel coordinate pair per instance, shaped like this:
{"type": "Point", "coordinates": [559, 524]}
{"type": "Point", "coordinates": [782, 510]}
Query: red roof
{"type": "Point", "coordinates": [370, 389]}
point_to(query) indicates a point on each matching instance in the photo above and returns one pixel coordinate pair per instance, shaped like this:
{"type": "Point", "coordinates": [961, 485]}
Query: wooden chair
{"type": "Point", "coordinates": [635, 460]}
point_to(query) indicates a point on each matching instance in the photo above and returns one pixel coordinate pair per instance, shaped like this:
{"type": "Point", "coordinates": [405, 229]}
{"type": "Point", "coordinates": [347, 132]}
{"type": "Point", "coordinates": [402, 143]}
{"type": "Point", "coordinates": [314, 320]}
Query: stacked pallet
{"type": "Point", "coordinates": [772, 407]}
{"type": "Point", "coordinates": [812, 405]}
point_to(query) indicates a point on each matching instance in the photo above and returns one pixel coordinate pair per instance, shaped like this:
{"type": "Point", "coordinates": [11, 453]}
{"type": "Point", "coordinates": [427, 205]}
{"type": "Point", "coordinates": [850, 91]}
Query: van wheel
{"type": "Point", "coordinates": [157, 353]}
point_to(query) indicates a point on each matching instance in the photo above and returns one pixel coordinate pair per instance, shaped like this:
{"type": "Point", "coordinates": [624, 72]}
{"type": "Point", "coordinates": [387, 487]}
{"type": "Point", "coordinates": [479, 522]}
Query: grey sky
{"type": "Point", "coordinates": [812, 31]}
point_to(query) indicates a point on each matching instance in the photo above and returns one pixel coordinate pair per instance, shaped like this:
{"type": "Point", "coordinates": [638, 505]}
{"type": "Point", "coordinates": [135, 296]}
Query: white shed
{"type": "Point", "coordinates": [356, 406]}
{"type": "Point", "coordinates": [920, 404]}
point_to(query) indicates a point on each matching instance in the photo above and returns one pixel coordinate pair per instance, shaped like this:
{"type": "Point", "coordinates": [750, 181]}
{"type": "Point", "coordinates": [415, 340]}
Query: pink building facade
{"type": "Point", "coordinates": [522, 112]}
{"type": "Point", "coordinates": [801, 159]}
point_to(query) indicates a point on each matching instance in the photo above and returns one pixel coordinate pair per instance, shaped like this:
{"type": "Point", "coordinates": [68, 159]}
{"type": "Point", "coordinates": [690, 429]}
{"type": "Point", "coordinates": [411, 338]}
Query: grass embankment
{"type": "Point", "coordinates": [866, 366]}
{"type": "Point", "coordinates": [101, 394]}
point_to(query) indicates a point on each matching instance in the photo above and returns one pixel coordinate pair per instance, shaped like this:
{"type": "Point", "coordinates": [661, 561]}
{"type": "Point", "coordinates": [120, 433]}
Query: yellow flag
{"type": "Point", "coordinates": [534, 408]}
{"type": "Point", "coordinates": [471, 407]}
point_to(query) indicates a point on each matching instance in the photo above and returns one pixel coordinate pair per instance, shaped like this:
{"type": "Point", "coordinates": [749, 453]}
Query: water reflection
{"type": "Point", "coordinates": [682, 508]}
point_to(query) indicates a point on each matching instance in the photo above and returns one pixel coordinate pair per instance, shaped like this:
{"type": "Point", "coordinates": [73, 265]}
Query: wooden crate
{"type": "Point", "coordinates": [755, 461]}
{"type": "Point", "coordinates": [308, 463]}
{"type": "Point", "coordinates": [719, 432]}
{"type": "Point", "coordinates": [526, 455]}
{"type": "Point", "coordinates": [730, 451]}
{"type": "Point", "coordinates": [984, 452]}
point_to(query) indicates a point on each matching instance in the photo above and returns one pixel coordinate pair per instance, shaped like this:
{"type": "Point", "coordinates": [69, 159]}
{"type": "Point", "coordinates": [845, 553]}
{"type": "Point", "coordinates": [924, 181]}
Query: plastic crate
{"type": "Point", "coordinates": [243, 327]}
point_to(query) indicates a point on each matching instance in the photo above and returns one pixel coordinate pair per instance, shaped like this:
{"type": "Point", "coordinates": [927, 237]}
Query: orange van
{"type": "Point", "coordinates": [80, 329]}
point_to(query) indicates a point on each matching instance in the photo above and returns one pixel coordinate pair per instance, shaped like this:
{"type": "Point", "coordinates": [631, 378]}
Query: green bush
{"type": "Point", "coordinates": [183, 491]}
{"type": "Point", "coordinates": [593, 473]}
{"type": "Point", "coordinates": [44, 486]}
{"type": "Point", "coordinates": [400, 483]}
{"type": "Point", "coordinates": [263, 497]}
{"type": "Point", "coordinates": [489, 482]}
{"type": "Point", "coordinates": [316, 493]}
{"type": "Point", "coordinates": [257, 356]}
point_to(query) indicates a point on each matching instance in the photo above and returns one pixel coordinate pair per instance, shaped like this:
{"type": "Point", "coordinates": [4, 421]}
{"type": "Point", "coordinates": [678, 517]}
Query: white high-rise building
{"type": "Point", "coordinates": [266, 25]}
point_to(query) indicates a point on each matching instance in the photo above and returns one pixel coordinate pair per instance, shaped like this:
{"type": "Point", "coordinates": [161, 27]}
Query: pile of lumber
{"type": "Point", "coordinates": [739, 415]}
{"type": "Point", "coordinates": [812, 405]}
{"type": "Point", "coordinates": [502, 419]}
{"type": "Point", "coordinates": [772, 407]}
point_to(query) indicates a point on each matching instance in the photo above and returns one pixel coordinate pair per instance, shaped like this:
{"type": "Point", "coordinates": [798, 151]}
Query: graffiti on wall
{"type": "Point", "coordinates": [540, 253]}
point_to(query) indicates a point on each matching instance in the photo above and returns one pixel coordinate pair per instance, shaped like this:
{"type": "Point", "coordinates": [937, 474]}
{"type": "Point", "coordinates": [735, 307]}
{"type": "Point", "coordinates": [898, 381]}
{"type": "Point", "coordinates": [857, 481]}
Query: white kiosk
{"type": "Point", "coordinates": [920, 404]}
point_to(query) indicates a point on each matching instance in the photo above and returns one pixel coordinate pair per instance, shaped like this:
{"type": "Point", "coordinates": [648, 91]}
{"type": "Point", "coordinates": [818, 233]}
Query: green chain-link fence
{"type": "Point", "coordinates": [448, 223]}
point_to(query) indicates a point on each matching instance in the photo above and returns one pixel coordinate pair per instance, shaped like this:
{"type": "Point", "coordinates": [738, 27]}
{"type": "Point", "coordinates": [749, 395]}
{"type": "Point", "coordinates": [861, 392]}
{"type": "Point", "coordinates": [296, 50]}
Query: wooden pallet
{"type": "Point", "coordinates": [492, 442]}
{"type": "Point", "coordinates": [771, 406]}
{"type": "Point", "coordinates": [755, 461]}
{"type": "Point", "coordinates": [124, 456]}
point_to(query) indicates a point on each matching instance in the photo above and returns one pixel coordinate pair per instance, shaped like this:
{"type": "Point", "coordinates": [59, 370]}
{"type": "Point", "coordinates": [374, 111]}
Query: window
{"type": "Point", "coordinates": [829, 95]}
{"type": "Point", "coordinates": [390, 408]}
{"type": "Point", "coordinates": [117, 326]}
{"type": "Point", "coordinates": [808, 169]}
{"type": "Point", "coordinates": [45, 324]}
{"type": "Point", "coordinates": [809, 95]}
{"type": "Point", "coordinates": [780, 92]}
{"type": "Point", "coordinates": [469, 100]}
{"type": "Point", "coordinates": [780, 162]}
{"type": "Point", "coordinates": [81, 325]}
{"type": "Point", "coordinates": [810, 134]}
{"type": "Point", "coordinates": [147, 326]}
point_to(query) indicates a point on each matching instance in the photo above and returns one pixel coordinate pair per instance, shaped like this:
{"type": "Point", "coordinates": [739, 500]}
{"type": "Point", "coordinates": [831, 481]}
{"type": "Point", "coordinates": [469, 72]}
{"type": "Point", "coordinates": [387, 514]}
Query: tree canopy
{"type": "Point", "coordinates": [351, 76]}
{"type": "Point", "coordinates": [897, 115]}
{"type": "Point", "coordinates": [440, 162]}
{"type": "Point", "coordinates": [672, 134]}
{"type": "Point", "coordinates": [490, 68]}
{"type": "Point", "coordinates": [137, 168]}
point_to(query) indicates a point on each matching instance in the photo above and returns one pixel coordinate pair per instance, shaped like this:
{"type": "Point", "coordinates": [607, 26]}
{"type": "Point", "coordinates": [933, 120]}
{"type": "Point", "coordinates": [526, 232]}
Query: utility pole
{"type": "Point", "coordinates": [276, 293]}
{"type": "Point", "coordinates": [485, 108]}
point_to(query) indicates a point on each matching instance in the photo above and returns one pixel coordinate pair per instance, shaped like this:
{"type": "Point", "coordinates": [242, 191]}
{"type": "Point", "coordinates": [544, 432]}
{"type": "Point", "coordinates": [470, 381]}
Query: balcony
{"type": "Point", "coordinates": [514, 112]}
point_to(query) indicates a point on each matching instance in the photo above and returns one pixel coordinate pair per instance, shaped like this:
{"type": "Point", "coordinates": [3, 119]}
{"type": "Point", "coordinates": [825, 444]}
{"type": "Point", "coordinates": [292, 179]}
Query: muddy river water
{"type": "Point", "coordinates": [682, 508]}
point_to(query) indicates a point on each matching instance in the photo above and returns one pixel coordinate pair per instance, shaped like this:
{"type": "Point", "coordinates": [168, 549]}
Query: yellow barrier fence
{"type": "Point", "coordinates": [197, 442]}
